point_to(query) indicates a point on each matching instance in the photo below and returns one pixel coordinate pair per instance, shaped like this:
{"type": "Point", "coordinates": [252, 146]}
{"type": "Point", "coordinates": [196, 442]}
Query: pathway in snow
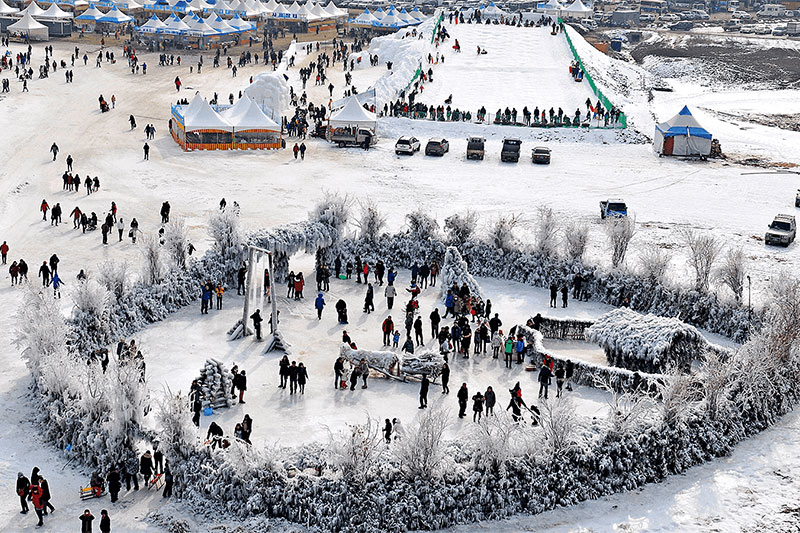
{"type": "Point", "coordinates": [523, 67]}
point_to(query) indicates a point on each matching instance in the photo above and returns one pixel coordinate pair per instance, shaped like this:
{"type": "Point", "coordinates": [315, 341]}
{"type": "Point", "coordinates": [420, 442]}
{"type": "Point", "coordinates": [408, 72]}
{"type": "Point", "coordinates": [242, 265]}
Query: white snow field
{"type": "Point", "coordinates": [524, 67]}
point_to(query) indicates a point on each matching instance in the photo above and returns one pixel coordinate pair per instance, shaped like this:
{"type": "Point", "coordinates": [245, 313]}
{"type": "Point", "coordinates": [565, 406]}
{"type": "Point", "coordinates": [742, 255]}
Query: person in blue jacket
{"type": "Point", "coordinates": [520, 349]}
{"type": "Point", "coordinates": [57, 283]}
{"type": "Point", "coordinates": [205, 299]}
{"type": "Point", "coordinates": [449, 302]}
{"type": "Point", "coordinates": [319, 303]}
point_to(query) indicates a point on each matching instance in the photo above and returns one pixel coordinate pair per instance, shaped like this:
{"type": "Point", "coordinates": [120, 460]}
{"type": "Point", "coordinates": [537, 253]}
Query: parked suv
{"type": "Point", "coordinates": [510, 151]}
{"type": "Point", "coordinates": [475, 148]}
{"type": "Point", "coordinates": [406, 145]}
{"type": "Point", "coordinates": [782, 231]}
{"type": "Point", "coordinates": [437, 147]}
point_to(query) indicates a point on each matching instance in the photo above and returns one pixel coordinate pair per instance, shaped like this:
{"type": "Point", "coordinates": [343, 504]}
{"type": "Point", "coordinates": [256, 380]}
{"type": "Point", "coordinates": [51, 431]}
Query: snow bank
{"type": "Point", "coordinates": [406, 52]}
{"type": "Point", "coordinates": [383, 361]}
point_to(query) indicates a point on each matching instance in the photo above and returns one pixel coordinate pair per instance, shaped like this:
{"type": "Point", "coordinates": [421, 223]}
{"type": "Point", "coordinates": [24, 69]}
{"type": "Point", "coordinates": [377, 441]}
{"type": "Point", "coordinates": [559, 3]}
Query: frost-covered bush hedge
{"type": "Point", "coordinates": [615, 288]}
{"type": "Point", "coordinates": [144, 304]}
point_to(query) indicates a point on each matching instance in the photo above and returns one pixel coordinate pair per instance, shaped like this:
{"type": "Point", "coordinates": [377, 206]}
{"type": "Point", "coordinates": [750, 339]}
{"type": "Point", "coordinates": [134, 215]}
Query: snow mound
{"type": "Point", "coordinates": [271, 92]}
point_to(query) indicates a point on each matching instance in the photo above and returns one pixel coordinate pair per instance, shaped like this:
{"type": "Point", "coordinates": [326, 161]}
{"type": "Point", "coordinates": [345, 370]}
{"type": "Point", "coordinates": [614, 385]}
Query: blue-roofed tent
{"type": "Point", "coordinates": [682, 135]}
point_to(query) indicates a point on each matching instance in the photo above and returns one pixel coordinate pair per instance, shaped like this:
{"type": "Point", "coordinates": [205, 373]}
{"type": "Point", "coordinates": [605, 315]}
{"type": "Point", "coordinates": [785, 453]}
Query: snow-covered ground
{"type": "Point", "coordinates": [522, 67]}
{"type": "Point", "coordinates": [273, 188]}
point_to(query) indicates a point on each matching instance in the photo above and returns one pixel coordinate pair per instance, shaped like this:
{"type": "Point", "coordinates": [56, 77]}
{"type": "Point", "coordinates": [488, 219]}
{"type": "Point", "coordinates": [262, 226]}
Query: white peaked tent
{"type": "Point", "coordinates": [577, 9]}
{"type": "Point", "coordinates": [549, 6]}
{"type": "Point", "coordinates": [35, 31]}
{"type": "Point", "coordinates": [353, 114]}
{"type": "Point", "coordinates": [115, 16]}
{"type": "Point", "coordinates": [5, 9]}
{"type": "Point", "coordinates": [318, 11]}
{"type": "Point", "coordinates": [416, 13]}
{"type": "Point", "coordinates": [306, 14]}
{"type": "Point", "coordinates": [199, 116]}
{"type": "Point", "coordinates": [391, 20]}
{"type": "Point", "coordinates": [366, 18]}
{"type": "Point", "coordinates": [175, 25]}
{"type": "Point", "coordinates": [271, 5]}
{"type": "Point", "coordinates": [219, 24]}
{"type": "Point", "coordinates": [334, 10]}
{"type": "Point", "coordinates": [33, 10]}
{"type": "Point", "coordinates": [246, 115]}
{"type": "Point", "coordinates": [405, 17]}
{"type": "Point", "coordinates": [153, 25]}
{"type": "Point", "coordinates": [56, 13]}
{"type": "Point", "coordinates": [682, 135]}
{"type": "Point", "coordinates": [493, 12]}
{"type": "Point", "coordinates": [280, 12]}
{"type": "Point", "coordinates": [240, 24]}
{"type": "Point", "coordinates": [91, 14]}
{"type": "Point", "coordinates": [199, 27]}
{"type": "Point", "coordinates": [200, 5]}
{"type": "Point", "coordinates": [294, 8]}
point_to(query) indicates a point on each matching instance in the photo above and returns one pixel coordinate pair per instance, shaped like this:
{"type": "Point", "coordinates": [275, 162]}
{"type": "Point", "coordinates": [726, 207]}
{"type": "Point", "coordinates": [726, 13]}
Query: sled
{"type": "Point", "coordinates": [157, 482]}
{"type": "Point", "coordinates": [87, 493]}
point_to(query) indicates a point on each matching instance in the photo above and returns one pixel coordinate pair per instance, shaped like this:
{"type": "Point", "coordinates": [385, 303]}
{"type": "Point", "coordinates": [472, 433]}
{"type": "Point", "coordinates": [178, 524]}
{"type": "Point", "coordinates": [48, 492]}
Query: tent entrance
{"type": "Point", "coordinates": [669, 145]}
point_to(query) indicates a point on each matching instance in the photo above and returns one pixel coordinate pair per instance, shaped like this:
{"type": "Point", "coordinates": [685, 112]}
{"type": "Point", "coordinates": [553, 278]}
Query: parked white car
{"type": "Point", "coordinates": [748, 28]}
{"type": "Point", "coordinates": [779, 30]}
{"type": "Point", "coordinates": [762, 29]}
{"type": "Point", "coordinates": [669, 17]}
{"type": "Point", "coordinates": [742, 15]}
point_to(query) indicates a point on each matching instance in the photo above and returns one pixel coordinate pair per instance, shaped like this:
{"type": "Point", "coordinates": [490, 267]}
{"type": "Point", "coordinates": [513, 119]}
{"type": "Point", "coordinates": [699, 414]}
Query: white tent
{"type": "Point", "coordinates": [271, 5]}
{"type": "Point", "coordinates": [416, 13]}
{"type": "Point", "coordinates": [493, 12]}
{"type": "Point", "coordinates": [33, 9]}
{"type": "Point", "coordinates": [175, 25]}
{"type": "Point", "coordinates": [577, 9]}
{"type": "Point", "coordinates": [405, 17]}
{"type": "Point", "coordinates": [294, 8]}
{"type": "Point", "coordinates": [240, 24]}
{"type": "Point", "coordinates": [198, 115]}
{"type": "Point", "coordinates": [318, 11]}
{"type": "Point", "coordinates": [5, 9]}
{"type": "Point", "coordinates": [281, 12]}
{"type": "Point", "coordinates": [199, 27]}
{"type": "Point", "coordinates": [305, 14]}
{"type": "Point", "coordinates": [353, 114]}
{"type": "Point", "coordinates": [391, 20]}
{"type": "Point", "coordinates": [246, 115]}
{"type": "Point", "coordinates": [219, 24]}
{"type": "Point", "coordinates": [682, 135]}
{"type": "Point", "coordinates": [366, 18]}
{"type": "Point", "coordinates": [35, 31]}
{"type": "Point", "coordinates": [549, 6]}
{"type": "Point", "coordinates": [91, 14]}
{"type": "Point", "coordinates": [334, 10]}
{"type": "Point", "coordinates": [153, 25]}
{"type": "Point", "coordinates": [115, 16]}
{"type": "Point", "coordinates": [55, 13]}
{"type": "Point", "coordinates": [200, 5]}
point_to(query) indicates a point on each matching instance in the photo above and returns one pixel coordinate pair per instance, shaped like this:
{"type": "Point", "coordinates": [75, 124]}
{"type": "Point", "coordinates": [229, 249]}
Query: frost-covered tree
{"type": "Point", "coordinates": [113, 275]}
{"type": "Point", "coordinates": [355, 450]}
{"type": "Point", "coordinates": [421, 225]}
{"type": "Point", "coordinates": [546, 231]}
{"type": "Point", "coordinates": [460, 227]}
{"type": "Point", "coordinates": [715, 379]}
{"type": "Point", "coordinates": [679, 396]}
{"type": "Point", "coordinates": [224, 227]}
{"type": "Point", "coordinates": [421, 452]}
{"type": "Point", "coordinates": [501, 232]}
{"type": "Point", "coordinates": [371, 221]}
{"type": "Point", "coordinates": [732, 272]}
{"type": "Point", "coordinates": [152, 265]}
{"type": "Point", "coordinates": [628, 411]}
{"type": "Point", "coordinates": [620, 232]}
{"type": "Point", "coordinates": [704, 249]}
{"type": "Point", "coordinates": [456, 272]}
{"type": "Point", "coordinates": [560, 425]}
{"type": "Point", "coordinates": [576, 239]}
{"type": "Point", "coordinates": [177, 434]}
{"type": "Point", "coordinates": [40, 328]}
{"type": "Point", "coordinates": [176, 242]}
{"type": "Point", "coordinates": [495, 440]}
{"type": "Point", "coordinates": [91, 313]}
{"type": "Point", "coordinates": [333, 210]}
{"type": "Point", "coordinates": [654, 262]}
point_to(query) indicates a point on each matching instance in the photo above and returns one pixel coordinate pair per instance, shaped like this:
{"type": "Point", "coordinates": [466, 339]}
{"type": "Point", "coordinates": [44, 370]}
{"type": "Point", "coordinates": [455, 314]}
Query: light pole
{"type": "Point", "coordinates": [749, 305]}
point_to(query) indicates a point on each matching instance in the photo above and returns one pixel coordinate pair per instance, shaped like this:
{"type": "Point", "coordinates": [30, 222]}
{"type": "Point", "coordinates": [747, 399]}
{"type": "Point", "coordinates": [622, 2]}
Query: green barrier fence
{"type": "Point", "coordinates": [418, 73]}
{"type": "Point", "coordinates": [597, 92]}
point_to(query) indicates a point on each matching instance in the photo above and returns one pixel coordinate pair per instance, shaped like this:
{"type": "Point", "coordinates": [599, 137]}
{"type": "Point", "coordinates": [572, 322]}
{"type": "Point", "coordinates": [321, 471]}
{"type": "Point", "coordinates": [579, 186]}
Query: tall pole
{"type": "Point", "coordinates": [274, 317]}
{"type": "Point", "coordinates": [247, 284]}
{"type": "Point", "coordinates": [749, 306]}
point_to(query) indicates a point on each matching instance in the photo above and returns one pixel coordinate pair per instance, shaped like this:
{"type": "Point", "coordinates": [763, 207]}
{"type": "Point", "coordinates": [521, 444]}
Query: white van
{"type": "Point", "coordinates": [772, 10]}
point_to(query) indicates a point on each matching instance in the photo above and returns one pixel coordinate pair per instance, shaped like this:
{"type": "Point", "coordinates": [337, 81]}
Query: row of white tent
{"type": "Point", "coordinates": [193, 24]}
{"type": "Point", "coordinates": [389, 19]}
{"type": "Point", "coordinates": [554, 7]}
{"type": "Point", "coordinates": [244, 115]}
{"type": "Point", "coordinates": [246, 8]}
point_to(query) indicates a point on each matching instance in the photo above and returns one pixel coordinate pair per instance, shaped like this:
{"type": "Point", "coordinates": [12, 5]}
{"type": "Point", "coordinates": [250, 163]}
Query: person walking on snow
{"type": "Point", "coordinates": [319, 304]}
{"type": "Point", "coordinates": [146, 149]}
{"type": "Point", "coordinates": [423, 391]}
{"type": "Point", "coordinates": [54, 150]}
{"type": "Point", "coordinates": [463, 395]}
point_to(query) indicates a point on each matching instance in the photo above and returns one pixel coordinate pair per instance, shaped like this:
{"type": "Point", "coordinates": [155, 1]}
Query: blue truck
{"type": "Point", "coordinates": [613, 208]}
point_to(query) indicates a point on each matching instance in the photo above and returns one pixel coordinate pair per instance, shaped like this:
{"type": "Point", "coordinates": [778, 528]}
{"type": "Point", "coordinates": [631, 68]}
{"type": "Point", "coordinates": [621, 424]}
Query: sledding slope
{"type": "Point", "coordinates": [523, 67]}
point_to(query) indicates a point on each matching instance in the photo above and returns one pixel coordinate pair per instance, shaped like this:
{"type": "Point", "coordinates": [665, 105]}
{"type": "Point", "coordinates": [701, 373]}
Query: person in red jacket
{"type": "Point", "coordinates": [36, 498]}
{"type": "Point", "coordinates": [4, 251]}
{"type": "Point", "coordinates": [44, 209]}
{"type": "Point", "coordinates": [387, 327]}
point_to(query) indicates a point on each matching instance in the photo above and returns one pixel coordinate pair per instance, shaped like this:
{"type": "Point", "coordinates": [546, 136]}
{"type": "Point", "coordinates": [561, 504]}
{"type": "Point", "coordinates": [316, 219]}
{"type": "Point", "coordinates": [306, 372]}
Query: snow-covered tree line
{"type": "Point", "coordinates": [647, 289]}
{"type": "Point", "coordinates": [113, 304]}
